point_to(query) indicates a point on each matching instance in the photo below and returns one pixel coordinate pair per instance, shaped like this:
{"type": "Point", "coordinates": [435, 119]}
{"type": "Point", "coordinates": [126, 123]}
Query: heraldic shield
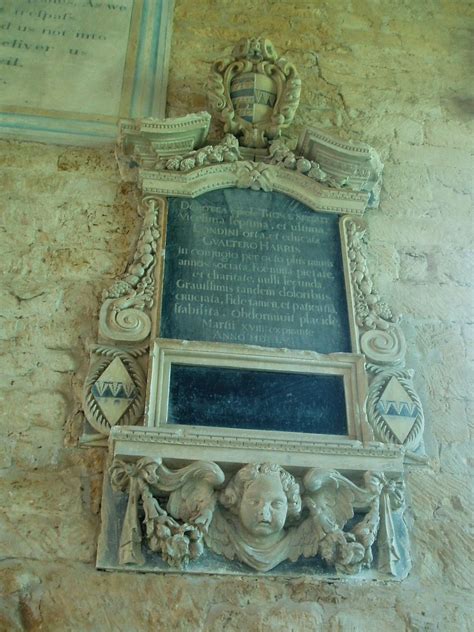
{"type": "Point", "coordinates": [253, 96]}
{"type": "Point", "coordinates": [255, 92]}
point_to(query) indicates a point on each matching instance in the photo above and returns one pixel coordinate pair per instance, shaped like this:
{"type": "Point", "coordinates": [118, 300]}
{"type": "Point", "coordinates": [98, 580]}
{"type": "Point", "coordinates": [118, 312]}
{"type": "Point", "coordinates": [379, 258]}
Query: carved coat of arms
{"type": "Point", "coordinates": [255, 92]}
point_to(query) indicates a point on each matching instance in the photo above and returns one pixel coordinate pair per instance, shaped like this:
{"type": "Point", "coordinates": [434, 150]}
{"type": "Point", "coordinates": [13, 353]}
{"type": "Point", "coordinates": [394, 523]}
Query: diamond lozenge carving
{"type": "Point", "coordinates": [114, 391]}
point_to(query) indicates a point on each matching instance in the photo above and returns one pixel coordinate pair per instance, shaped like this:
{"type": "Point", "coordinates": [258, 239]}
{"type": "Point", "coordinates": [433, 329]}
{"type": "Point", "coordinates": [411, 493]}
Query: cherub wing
{"type": "Point", "coordinates": [194, 502]}
{"type": "Point", "coordinates": [330, 498]}
{"type": "Point", "coordinates": [218, 536]}
{"type": "Point", "coordinates": [191, 490]}
{"type": "Point", "coordinates": [303, 540]}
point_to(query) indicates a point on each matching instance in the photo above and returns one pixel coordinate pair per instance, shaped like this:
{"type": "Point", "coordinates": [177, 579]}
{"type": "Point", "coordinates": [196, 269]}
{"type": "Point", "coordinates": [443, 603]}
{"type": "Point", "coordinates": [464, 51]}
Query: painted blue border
{"type": "Point", "coordinates": [154, 59]}
{"type": "Point", "coordinates": [146, 81]}
{"type": "Point", "coordinates": [30, 118]}
{"type": "Point", "coordinates": [144, 88]}
{"type": "Point", "coordinates": [138, 72]}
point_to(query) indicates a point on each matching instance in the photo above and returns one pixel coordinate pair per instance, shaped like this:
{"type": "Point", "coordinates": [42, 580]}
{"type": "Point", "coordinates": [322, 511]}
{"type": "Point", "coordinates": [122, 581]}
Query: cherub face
{"type": "Point", "coordinates": [264, 506]}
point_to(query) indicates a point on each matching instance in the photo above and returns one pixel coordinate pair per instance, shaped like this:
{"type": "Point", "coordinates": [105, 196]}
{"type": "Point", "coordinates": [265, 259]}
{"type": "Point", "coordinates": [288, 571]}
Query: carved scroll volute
{"type": "Point", "coordinates": [125, 312]}
{"type": "Point", "coordinates": [255, 92]}
{"type": "Point", "coordinates": [378, 333]}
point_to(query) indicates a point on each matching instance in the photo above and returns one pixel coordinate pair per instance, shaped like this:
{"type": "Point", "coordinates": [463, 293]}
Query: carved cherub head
{"type": "Point", "coordinates": [264, 496]}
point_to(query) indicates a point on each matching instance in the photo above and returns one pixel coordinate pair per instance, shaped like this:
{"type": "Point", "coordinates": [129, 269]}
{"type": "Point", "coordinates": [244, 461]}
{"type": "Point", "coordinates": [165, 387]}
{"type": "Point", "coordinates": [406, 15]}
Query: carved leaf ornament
{"type": "Point", "coordinates": [381, 339]}
{"type": "Point", "coordinates": [254, 176]}
{"type": "Point", "coordinates": [123, 316]}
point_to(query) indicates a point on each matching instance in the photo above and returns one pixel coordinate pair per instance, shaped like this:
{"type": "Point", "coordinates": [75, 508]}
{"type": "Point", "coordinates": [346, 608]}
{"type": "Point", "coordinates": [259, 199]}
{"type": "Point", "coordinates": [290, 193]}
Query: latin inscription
{"type": "Point", "coordinates": [66, 55]}
{"type": "Point", "coordinates": [254, 268]}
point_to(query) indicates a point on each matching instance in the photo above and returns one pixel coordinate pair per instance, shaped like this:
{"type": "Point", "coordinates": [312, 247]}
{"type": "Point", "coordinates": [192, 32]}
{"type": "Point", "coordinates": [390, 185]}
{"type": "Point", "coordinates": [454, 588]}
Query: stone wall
{"type": "Point", "coordinates": [393, 74]}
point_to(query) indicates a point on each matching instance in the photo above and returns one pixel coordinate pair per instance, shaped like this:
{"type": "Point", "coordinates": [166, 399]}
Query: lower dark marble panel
{"type": "Point", "coordinates": [257, 400]}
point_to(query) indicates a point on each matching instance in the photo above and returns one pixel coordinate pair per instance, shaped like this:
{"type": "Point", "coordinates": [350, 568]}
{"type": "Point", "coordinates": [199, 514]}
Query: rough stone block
{"type": "Point", "coordinates": [448, 418]}
{"type": "Point", "coordinates": [452, 134]}
{"type": "Point", "coordinates": [44, 519]}
{"type": "Point", "coordinates": [454, 267]}
{"type": "Point", "coordinates": [432, 302]}
{"type": "Point", "coordinates": [414, 266]}
{"type": "Point", "coordinates": [410, 131]}
{"type": "Point", "coordinates": [423, 231]}
{"type": "Point", "coordinates": [443, 368]}
{"type": "Point", "coordinates": [432, 156]}
{"type": "Point", "coordinates": [92, 163]}
{"type": "Point", "coordinates": [458, 458]}
{"type": "Point", "coordinates": [359, 621]}
{"type": "Point", "coordinates": [282, 616]}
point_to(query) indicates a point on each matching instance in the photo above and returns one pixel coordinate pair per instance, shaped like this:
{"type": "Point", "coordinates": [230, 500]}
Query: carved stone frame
{"type": "Point", "coordinates": [169, 486]}
{"type": "Point", "coordinates": [349, 366]}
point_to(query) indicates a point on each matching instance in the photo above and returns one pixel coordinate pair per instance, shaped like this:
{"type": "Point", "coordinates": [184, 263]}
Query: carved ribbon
{"type": "Point", "coordinates": [391, 500]}
{"type": "Point", "coordinates": [132, 476]}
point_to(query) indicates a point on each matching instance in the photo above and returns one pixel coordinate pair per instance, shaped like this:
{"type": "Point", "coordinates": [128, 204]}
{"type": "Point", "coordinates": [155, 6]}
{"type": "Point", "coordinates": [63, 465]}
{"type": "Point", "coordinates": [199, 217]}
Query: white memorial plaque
{"type": "Point", "coordinates": [69, 69]}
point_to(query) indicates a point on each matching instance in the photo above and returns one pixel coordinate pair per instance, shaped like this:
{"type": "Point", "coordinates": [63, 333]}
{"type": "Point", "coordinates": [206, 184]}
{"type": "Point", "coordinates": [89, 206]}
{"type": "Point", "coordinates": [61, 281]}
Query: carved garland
{"type": "Point", "coordinates": [383, 341]}
{"type": "Point", "coordinates": [228, 151]}
{"type": "Point", "coordinates": [225, 151]}
{"type": "Point", "coordinates": [177, 542]}
{"type": "Point", "coordinates": [123, 316]}
{"type": "Point", "coordinates": [242, 519]}
{"type": "Point", "coordinates": [280, 154]}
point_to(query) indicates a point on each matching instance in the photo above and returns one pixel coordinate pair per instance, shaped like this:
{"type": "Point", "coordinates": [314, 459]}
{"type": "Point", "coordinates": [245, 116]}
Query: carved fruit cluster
{"type": "Point", "coordinates": [139, 280]}
{"type": "Point", "coordinates": [371, 311]}
{"type": "Point", "coordinates": [226, 151]}
{"type": "Point", "coordinates": [281, 155]}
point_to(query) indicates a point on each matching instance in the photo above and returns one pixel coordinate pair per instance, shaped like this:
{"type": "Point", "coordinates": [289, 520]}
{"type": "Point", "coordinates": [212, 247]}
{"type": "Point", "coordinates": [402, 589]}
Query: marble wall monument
{"type": "Point", "coordinates": [248, 379]}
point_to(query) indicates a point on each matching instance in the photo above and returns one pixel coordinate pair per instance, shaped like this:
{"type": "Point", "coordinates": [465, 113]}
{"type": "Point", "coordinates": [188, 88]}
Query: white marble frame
{"type": "Point", "coordinates": [130, 313]}
{"type": "Point", "coordinates": [168, 352]}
